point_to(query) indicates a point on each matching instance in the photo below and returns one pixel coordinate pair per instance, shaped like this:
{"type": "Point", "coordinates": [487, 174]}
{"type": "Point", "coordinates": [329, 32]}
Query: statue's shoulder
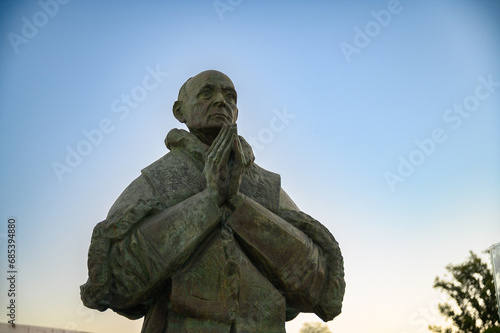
{"type": "Point", "coordinates": [174, 177]}
{"type": "Point", "coordinates": [261, 174]}
{"type": "Point", "coordinates": [140, 189]}
{"type": "Point", "coordinates": [262, 185]}
{"type": "Point", "coordinates": [170, 179]}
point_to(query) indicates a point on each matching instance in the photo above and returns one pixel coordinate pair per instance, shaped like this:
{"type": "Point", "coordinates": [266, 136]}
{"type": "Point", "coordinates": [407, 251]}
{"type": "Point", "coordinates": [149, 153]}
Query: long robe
{"type": "Point", "coordinates": [166, 251]}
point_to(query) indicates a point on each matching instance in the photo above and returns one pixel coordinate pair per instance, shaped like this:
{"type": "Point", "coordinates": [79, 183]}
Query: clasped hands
{"type": "Point", "coordinates": [224, 166]}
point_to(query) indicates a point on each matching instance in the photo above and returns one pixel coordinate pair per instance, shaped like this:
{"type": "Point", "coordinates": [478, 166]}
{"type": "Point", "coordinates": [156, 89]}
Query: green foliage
{"type": "Point", "coordinates": [315, 327]}
{"type": "Point", "coordinates": [438, 329]}
{"type": "Point", "coordinates": [471, 287]}
{"type": "Point", "coordinates": [493, 330]}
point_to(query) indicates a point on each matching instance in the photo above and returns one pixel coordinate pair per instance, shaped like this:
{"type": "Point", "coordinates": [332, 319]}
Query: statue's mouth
{"type": "Point", "coordinates": [219, 115]}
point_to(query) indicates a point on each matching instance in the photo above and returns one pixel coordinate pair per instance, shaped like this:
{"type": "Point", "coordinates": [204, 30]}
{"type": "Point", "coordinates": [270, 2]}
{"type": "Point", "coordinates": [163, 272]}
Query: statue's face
{"type": "Point", "coordinates": [210, 101]}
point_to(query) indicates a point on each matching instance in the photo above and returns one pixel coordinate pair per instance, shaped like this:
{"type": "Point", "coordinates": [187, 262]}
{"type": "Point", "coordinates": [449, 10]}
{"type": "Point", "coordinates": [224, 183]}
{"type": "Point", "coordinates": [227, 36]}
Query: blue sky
{"type": "Point", "coordinates": [335, 124]}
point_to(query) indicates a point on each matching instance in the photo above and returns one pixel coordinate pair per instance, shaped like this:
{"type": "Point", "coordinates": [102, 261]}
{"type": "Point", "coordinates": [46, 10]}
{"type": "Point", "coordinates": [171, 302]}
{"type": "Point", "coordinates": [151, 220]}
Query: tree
{"type": "Point", "coordinates": [315, 327]}
{"type": "Point", "coordinates": [493, 330]}
{"type": "Point", "coordinates": [473, 308]}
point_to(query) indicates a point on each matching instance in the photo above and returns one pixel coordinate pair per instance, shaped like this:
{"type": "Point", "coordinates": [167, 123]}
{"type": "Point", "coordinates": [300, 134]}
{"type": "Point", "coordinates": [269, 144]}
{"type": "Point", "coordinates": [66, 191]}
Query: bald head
{"type": "Point", "coordinates": [206, 102]}
{"type": "Point", "coordinates": [201, 77]}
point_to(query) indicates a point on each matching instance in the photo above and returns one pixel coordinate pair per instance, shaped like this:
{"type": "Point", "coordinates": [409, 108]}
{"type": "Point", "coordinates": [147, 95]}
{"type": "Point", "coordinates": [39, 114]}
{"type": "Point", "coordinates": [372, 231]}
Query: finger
{"type": "Point", "coordinates": [220, 164]}
{"type": "Point", "coordinates": [239, 156]}
{"type": "Point", "coordinates": [217, 139]}
{"type": "Point", "coordinates": [219, 156]}
{"type": "Point", "coordinates": [238, 167]}
{"type": "Point", "coordinates": [224, 150]}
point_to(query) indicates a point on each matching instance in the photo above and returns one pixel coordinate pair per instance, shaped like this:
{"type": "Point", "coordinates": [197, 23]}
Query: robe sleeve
{"type": "Point", "coordinates": [142, 262]}
{"type": "Point", "coordinates": [141, 243]}
{"type": "Point", "coordinates": [283, 251]}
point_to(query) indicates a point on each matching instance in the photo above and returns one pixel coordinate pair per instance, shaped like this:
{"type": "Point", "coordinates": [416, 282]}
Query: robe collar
{"type": "Point", "coordinates": [179, 138]}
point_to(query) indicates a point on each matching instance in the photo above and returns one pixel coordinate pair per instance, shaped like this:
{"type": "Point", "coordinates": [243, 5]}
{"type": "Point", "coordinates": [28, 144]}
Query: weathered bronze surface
{"type": "Point", "coordinates": [205, 240]}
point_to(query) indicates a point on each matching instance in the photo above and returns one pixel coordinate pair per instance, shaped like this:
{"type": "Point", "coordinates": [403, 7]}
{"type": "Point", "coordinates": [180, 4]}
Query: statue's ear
{"type": "Point", "coordinates": [177, 109]}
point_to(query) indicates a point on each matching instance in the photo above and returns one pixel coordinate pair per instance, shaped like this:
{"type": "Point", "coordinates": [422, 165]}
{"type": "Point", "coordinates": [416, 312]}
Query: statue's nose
{"type": "Point", "coordinates": [219, 99]}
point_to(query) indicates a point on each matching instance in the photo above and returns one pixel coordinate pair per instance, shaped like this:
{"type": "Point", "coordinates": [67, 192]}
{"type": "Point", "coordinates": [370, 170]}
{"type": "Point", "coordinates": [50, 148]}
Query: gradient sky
{"type": "Point", "coordinates": [354, 118]}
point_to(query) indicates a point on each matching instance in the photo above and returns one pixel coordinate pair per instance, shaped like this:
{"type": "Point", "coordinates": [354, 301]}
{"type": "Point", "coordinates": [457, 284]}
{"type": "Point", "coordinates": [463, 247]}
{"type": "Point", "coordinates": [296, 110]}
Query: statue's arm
{"type": "Point", "coordinates": [147, 257]}
{"type": "Point", "coordinates": [296, 264]}
{"type": "Point", "coordinates": [142, 262]}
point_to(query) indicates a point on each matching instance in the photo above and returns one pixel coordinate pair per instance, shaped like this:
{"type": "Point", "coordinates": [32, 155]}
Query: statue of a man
{"type": "Point", "coordinates": [205, 240]}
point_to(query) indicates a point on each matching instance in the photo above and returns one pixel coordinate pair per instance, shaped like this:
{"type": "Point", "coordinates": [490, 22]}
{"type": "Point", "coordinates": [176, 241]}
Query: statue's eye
{"type": "Point", "coordinates": [231, 96]}
{"type": "Point", "coordinates": [206, 93]}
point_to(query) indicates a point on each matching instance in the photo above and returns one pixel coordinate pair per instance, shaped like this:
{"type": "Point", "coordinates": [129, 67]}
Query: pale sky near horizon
{"type": "Point", "coordinates": [382, 118]}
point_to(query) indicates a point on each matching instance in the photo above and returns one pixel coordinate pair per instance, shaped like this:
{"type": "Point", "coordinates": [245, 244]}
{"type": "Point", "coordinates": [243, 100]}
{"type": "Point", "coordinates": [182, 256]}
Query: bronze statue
{"type": "Point", "coordinates": [205, 240]}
